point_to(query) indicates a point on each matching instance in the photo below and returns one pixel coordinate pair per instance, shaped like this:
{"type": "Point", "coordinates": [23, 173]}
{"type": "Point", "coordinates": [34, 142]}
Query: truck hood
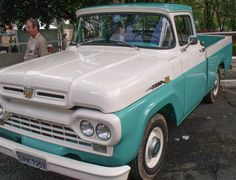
{"type": "Point", "coordinates": [108, 79]}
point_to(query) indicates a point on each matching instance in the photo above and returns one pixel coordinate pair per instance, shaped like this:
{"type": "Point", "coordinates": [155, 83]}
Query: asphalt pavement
{"type": "Point", "coordinates": [203, 147]}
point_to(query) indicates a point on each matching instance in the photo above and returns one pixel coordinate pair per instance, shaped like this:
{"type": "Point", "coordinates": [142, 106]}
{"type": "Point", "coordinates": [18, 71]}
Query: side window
{"type": "Point", "coordinates": [184, 28]}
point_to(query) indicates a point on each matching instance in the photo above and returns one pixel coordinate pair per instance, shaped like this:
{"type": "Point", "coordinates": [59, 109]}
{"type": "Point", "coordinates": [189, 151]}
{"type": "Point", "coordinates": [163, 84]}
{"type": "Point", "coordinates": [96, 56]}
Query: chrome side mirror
{"type": "Point", "coordinates": [192, 40]}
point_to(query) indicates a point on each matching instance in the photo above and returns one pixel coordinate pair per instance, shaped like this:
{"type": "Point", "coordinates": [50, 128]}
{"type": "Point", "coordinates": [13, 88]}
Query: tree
{"type": "Point", "coordinates": [208, 13]}
{"type": "Point", "coordinates": [232, 15]}
{"type": "Point", "coordinates": [46, 11]}
{"type": "Point", "coordinates": [222, 11]}
{"type": "Point", "coordinates": [6, 14]}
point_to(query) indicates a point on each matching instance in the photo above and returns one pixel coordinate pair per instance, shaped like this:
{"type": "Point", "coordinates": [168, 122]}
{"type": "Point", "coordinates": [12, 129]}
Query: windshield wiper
{"type": "Point", "coordinates": [124, 43]}
{"type": "Point", "coordinates": [89, 41]}
{"type": "Point", "coordinates": [113, 41]}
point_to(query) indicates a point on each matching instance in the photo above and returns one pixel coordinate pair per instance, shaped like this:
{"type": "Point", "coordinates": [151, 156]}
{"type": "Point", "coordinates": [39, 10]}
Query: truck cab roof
{"type": "Point", "coordinates": [169, 8]}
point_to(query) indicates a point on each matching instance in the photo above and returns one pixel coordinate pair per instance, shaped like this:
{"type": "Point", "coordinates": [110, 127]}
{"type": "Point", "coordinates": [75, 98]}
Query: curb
{"type": "Point", "coordinates": [228, 83]}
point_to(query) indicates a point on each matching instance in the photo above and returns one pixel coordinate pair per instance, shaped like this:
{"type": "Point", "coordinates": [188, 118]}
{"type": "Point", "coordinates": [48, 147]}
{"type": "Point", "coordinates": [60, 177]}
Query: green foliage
{"type": "Point", "coordinates": [234, 49]}
{"type": "Point", "coordinates": [46, 11]}
{"type": "Point", "coordinates": [210, 15]}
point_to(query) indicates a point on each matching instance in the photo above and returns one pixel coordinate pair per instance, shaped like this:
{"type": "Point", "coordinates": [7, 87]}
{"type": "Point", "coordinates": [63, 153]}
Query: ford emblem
{"type": "Point", "coordinates": [28, 92]}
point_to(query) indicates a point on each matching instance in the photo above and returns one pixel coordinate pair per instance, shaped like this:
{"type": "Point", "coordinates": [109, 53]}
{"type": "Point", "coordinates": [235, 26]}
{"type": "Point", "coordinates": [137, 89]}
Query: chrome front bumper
{"type": "Point", "coordinates": [65, 166]}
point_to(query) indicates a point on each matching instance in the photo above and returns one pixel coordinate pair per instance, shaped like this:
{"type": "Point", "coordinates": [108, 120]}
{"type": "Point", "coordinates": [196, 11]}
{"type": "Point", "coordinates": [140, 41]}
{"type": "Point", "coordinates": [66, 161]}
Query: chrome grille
{"type": "Point", "coordinates": [51, 130]}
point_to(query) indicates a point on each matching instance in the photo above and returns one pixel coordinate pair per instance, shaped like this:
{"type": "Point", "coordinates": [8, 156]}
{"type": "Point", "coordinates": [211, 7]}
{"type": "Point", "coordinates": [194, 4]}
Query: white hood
{"type": "Point", "coordinates": [105, 78]}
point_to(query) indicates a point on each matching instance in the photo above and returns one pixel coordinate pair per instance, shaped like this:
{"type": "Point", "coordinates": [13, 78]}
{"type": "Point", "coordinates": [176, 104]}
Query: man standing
{"type": "Point", "coordinates": [36, 45]}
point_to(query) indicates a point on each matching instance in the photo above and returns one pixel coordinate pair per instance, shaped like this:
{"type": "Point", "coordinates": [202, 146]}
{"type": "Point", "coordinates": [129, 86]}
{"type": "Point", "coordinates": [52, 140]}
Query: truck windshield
{"type": "Point", "coordinates": [140, 30]}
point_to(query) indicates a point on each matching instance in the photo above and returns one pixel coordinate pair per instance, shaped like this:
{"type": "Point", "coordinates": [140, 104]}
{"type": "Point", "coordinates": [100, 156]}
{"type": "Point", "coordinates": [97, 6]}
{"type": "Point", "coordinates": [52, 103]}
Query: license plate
{"type": "Point", "coordinates": [32, 161]}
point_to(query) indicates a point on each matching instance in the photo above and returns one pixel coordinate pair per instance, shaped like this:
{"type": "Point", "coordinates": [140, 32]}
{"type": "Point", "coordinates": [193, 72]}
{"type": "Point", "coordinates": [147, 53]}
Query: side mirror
{"type": "Point", "coordinates": [192, 40]}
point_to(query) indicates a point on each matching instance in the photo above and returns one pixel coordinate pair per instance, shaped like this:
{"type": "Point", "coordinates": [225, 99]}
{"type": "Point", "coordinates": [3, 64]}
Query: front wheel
{"type": "Point", "coordinates": [212, 95]}
{"type": "Point", "coordinates": [152, 151]}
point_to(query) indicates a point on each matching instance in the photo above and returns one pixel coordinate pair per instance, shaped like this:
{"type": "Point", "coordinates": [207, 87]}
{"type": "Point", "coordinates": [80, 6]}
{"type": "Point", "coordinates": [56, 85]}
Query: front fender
{"type": "Point", "coordinates": [135, 117]}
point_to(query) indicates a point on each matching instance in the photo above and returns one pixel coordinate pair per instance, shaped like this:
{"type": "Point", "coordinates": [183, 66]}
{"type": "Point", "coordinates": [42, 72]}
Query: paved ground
{"type": "Point", "coordinates": [208, 154]}
{"type": "Point", "coordinates": [230, 74]}
{"type": "Point", "coordinates": [210, 151]}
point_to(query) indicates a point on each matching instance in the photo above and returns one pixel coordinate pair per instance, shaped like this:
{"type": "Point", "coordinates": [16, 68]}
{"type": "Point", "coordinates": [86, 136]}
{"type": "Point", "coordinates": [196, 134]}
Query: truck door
{"type": "Point", "coordinates": [193, 61]}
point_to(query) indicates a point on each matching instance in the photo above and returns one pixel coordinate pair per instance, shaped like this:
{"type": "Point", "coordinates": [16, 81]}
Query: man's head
{"type": "Point", "coordinates": [32, 27]}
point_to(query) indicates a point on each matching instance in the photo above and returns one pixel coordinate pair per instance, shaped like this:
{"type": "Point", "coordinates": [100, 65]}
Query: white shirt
{"type": "Point", "coordinates": [36, 47]}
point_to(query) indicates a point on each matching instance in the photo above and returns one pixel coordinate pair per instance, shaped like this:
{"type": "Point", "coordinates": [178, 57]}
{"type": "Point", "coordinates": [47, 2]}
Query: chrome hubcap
{"type": "Point", "coordinates": [216, 86]}
{"type": "Point", "coordinates": [154, 147]}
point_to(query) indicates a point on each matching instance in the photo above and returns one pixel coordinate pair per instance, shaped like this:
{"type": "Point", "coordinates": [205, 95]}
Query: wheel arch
{"type": "Point", "coordinates": [171, 108]}
{"type": "Point", "coordinates": [167, 101]}
{"type": "Point", "coordinates": [168, 111]}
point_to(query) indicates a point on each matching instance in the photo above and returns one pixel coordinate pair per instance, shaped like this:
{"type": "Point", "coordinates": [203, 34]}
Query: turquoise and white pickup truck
{"type": "Point", "coordinates": [101, 109]}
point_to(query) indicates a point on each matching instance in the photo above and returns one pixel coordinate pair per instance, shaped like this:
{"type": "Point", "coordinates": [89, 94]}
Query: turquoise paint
{"type": "Point", "coordinates": [37, 144]}
{"type": "Point", "coordinates": [55, 149]}
{"type": "Point", "coordinates": [224, 55]}
{"type": "Point", "coordinates": [134, 118]}
{"type": "Point", "coordinates": [144, 44]}
{"type": "Point", "coordinates": [64, 151]}
{"type": "Point", "coordinates": [167, 7]}
{"type": "Point", "coordinates": [209, 40]}
{"type": "Point", "coordinates": [9, 135]}
{"type": "Point", "coordinates": [147, 44]}
{"type": "Point", "coordinates": [227, 60]}
{"type": "Point", "coordinates": [133, 121]}
{"type": "Point", "coordinates": [195, 86]}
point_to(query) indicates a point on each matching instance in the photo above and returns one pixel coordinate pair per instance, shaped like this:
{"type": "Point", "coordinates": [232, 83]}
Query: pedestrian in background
{"type": "Point", "coordinates": [36, 45]}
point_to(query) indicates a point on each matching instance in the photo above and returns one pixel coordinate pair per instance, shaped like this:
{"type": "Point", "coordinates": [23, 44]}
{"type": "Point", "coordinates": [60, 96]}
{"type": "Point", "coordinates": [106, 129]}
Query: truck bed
{"type": "Point", "coordinates": [218, 45]}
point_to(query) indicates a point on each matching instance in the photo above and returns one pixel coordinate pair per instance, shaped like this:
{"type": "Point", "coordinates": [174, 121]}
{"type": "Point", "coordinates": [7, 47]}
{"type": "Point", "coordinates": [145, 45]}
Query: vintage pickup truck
{"type": "Point", "coordinates": [101, 109]}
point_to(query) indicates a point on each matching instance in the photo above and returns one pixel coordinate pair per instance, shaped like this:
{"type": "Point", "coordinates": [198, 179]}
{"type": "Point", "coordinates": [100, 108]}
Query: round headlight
{"type": "Point", "coordinates": [103, 131]}
{"type": "Point", "coordinates": [1, 110]}
{"type": "Point", "coordinates": [87, 128]}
